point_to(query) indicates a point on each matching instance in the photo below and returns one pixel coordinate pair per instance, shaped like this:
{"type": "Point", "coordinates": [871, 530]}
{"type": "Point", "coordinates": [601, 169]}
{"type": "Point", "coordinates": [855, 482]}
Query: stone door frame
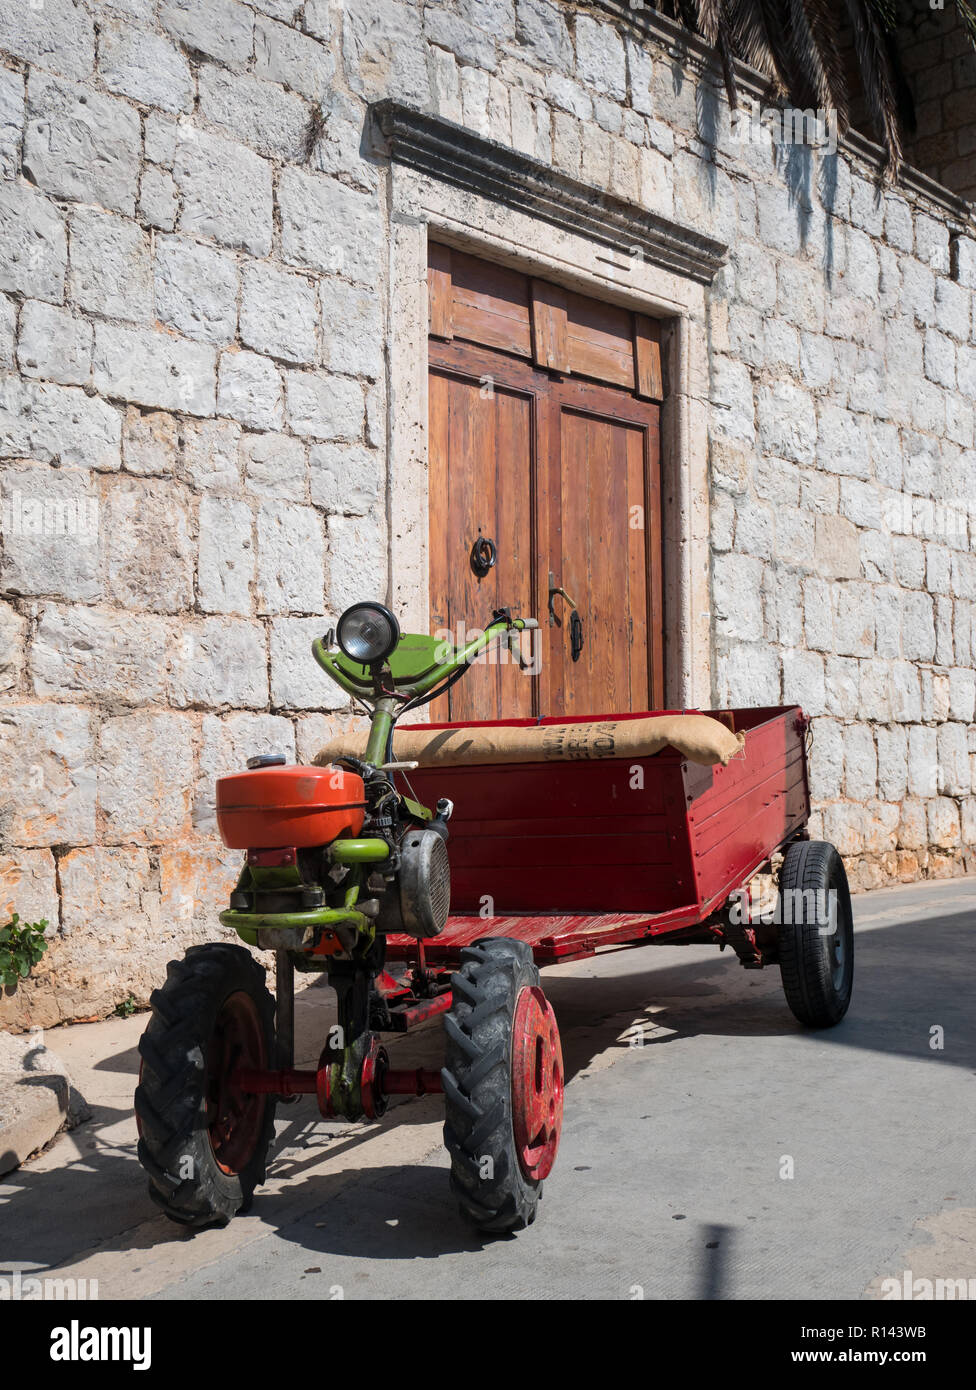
{"type": "Point", "coordinates": [427, 202]}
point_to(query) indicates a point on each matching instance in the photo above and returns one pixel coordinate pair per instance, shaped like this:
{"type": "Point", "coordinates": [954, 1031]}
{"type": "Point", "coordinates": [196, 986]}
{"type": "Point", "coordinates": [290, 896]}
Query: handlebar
{"type": "Point", "coordinates": [502, 625]}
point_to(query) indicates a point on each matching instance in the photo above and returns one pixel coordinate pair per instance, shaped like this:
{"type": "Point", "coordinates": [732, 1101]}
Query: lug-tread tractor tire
{"type": "Point", "coordinates": [817, 967]}
{"type": "Point", "coordinates": [203, 1145]}
{"type": "Point", "coordinates": [479, 1092]}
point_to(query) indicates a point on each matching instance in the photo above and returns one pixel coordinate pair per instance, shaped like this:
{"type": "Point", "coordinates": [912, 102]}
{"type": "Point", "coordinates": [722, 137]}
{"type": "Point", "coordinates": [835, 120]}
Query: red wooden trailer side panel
{"type": "Point", "coordinates": [737, 815]}
{"type": "Point", "coordinates": [574, 855]}
{"type": "Point", "coordinates": [566, 837]}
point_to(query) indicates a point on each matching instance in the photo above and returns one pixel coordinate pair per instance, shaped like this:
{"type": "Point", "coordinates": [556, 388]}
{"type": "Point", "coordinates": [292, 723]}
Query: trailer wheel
{"type": "Point", "coordinates": [503, 1085]}
{"type": "Point", "coordinates": [202, 1142]}
{"type": "Point", "coordinates": [816, 933]}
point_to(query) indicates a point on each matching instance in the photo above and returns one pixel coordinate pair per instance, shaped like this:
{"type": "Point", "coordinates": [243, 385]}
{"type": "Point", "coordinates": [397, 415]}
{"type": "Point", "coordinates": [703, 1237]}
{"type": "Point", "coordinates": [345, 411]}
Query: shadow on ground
{"type": "Point", "coordinates": [910, 978]}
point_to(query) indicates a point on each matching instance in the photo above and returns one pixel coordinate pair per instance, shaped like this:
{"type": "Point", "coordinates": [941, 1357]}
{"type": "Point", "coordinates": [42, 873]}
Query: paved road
{"type": "Point", "coordinates": [673, 1177]}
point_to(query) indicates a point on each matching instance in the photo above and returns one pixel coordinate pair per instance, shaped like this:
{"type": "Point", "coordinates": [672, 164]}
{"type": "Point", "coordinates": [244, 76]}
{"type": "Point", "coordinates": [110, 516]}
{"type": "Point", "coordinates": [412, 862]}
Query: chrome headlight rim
{"type": "Point", "coordinates": [355, 645]}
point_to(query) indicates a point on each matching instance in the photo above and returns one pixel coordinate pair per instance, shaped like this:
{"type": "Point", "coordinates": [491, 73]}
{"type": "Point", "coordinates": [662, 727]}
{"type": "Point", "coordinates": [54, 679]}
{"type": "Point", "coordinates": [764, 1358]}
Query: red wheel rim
{"type": "Point", "coordinates": [537, 1083]}
{"type": "Point", "coordinates": [234, 1118]}
{"type": "Point", "coordinates": [371, 1094]}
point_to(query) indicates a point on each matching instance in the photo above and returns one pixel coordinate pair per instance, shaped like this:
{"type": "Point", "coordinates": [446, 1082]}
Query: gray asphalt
{"type": "Point", "coordinates": [733, 1155]}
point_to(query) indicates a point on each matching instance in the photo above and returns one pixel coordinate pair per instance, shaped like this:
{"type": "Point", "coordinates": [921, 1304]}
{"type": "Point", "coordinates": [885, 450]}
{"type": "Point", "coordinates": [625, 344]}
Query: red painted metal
{"type": "Point", "coordinates": [577, 856]}
{"type": "Point", "coordinates": [282, 858]}
{"type": "Point", "coordinates": [569, 936]}
{"type": "Point", "coordinates": [389, 987]}
{"type": "Point", "coordinates": [378, 1079]}
{"type": "Point", "coordinates": [372, 1091]}
{"type": "Point", "coordinates": [235, 1118]}
{"type": "Point", "coordinates": [410, 1016]}
{"type": "Point", "coordinates": [323, 1083]}
{"type": "Point", "coordinates": [257, 1082]}
{"type": "Point", "coordinates": [537, 1083]}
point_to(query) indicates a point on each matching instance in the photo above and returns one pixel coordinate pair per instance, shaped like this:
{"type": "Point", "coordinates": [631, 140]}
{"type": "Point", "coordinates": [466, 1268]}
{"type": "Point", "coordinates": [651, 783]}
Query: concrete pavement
{"type": "Point", "coordinates": [734, 1155]}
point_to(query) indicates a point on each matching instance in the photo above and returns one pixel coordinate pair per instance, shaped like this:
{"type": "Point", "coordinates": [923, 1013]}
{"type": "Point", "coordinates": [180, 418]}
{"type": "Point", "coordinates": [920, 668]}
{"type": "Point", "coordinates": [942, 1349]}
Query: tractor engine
{"type": "Point", "coordinates": [307, 831]}
{"type": "Point", "coordinates": [414, 888]}
{"type": "Point", "coordinates": [418, 901]}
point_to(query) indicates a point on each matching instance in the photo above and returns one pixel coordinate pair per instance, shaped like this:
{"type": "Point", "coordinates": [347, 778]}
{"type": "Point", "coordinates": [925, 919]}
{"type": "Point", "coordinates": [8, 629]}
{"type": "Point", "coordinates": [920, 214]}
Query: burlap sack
{"type": "Point", "coordinates": [697, 737]}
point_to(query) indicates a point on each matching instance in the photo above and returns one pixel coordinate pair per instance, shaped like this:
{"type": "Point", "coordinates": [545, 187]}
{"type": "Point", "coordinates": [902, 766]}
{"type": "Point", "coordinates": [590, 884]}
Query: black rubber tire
{"type": "Point", "coordinates": [817, 967]}
{"type": "Point", "coordinates": [477, 1078]}
{"type": "Point", "coordinates": [171, 1102]}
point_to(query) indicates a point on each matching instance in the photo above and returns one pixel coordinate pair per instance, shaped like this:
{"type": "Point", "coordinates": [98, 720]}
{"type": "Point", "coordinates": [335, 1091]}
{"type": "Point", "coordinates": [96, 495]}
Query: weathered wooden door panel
{"type": "Point", "coordinates": [481, 485]}
{"type": "Point", "coordinates": [605, 467]}
{"type": "Point", "coordinates": [491, 306]}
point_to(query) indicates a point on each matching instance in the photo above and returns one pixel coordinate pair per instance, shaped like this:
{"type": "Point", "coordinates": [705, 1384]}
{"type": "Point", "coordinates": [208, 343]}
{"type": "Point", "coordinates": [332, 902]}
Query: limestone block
{"type": "Point", "coordinates": [226, 191]}
{"type": "Point", "coordinates": [81, 145]}
{"type": "Point", "coordinates": [145, 777]}
{"type": "Point", "coordinates": [51, 529]}
{"type": "Point", "coordinates": [226, 566]}
{"type": "Point", "coordinates": [148, 544]}
{"type": "Point", "coordinates": [47, 795]}
{"type": "Point", "coordinates": [111, 271]}
{"type": "Point", "coordinates": [220, 662]}
{"type": "Point", "coordinates": [196, 289]}
{"type": "Point", "coordinates": [291, 554]}
{"type": "Point", "coordinates": [100, 653]}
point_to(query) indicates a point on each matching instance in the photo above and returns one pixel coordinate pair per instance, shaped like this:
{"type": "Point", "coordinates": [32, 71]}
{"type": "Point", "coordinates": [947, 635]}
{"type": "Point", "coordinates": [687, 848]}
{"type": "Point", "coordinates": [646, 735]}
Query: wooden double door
{"type": "Point", "coordinates": [544, 459]}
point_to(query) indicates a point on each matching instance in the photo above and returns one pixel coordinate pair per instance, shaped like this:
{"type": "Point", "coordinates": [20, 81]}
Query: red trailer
{"type": "Point", "coordinates": [544, 861]}
{"type": "Point", "coordinates": [573, 856]}
{"type": "Point", "coordinates": [568, 858]}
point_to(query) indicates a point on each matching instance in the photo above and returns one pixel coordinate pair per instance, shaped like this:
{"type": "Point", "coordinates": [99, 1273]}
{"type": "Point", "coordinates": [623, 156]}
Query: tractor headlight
{"type": "Point", "coordinates": [367, 632]}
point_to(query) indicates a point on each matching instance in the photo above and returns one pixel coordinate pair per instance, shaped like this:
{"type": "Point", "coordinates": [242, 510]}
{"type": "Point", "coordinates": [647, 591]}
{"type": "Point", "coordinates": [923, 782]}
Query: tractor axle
{"type": "Point", "coordinates": [288, 1082]}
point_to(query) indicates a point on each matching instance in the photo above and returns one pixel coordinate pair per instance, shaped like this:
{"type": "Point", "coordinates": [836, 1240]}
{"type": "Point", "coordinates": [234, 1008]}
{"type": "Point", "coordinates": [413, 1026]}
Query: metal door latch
{"type": "Point", "coordinates": [554, 590]}
{"type": "Point", "coordinates": [576, 635]}
{"type": "Point", "coordinates": [484, 553]}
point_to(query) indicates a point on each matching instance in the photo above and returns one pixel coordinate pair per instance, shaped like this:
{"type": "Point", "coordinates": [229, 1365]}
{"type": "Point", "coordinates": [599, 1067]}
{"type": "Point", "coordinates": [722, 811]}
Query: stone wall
{"type": "Point", "coordinates": [940, 64]}
{"type": "Point", "coordinates": [193, 426]}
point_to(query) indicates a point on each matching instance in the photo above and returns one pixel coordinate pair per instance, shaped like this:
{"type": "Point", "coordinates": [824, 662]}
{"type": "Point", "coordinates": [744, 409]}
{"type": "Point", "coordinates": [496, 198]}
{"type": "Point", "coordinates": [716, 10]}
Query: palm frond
{"type": "Point", "coordinates": [820, 19]}
{"type": "Point", "coordinates": [871, 32]}
{"type": "Point", "coordinates": [710, 16]}
{"type": "Point", "coordinates": [794, 45]}
{"type": "Point", "coordinates": [723, 44]}
{"type": "Point", "coordinates": [753, 43]}
{"type": "Point", "coordinates": [968, 15]}
{"type": "Point", "coordinates": [711, 19]}
{"type": "Point", "coordinates": [887, 12]}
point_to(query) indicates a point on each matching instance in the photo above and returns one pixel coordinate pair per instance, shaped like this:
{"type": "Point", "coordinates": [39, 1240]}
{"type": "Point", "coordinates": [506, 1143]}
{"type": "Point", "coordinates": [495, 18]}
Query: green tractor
{"type": "Point", "coordinates": [336, 858]}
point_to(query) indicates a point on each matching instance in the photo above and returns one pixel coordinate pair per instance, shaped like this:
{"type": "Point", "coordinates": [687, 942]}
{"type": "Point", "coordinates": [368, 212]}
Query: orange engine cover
{"type": "Point", "coordinates": [274, 807]}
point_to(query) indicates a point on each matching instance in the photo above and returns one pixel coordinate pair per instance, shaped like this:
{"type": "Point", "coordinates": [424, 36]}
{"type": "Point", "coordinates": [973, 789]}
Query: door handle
{"type": "Point", "coordinates": [554, 590]}
{"type": "Point", "coordinates": [575, 635]}
{"type": "Point", "coordinates": [484, 553]}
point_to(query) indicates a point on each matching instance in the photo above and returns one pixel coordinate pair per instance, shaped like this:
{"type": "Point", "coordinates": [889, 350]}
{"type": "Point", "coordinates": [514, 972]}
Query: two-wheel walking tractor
{"type": "Point", "coordinates": [567, 836]}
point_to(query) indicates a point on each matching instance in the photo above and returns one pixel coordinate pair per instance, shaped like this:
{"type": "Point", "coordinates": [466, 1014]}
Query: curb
{"type": "Point", "coordinates": [37, 1098]}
